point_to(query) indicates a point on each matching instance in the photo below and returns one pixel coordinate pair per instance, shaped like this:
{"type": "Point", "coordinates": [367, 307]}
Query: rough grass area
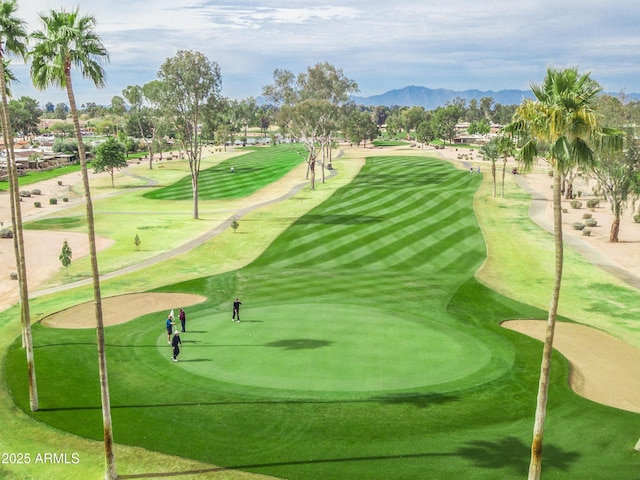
{"type": "Point", "coordinates": [367, 349]}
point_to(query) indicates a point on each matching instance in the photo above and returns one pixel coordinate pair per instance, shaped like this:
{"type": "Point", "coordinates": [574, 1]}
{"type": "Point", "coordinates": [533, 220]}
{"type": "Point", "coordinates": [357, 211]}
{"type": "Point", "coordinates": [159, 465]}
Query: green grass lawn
{"type": "Point", "coordinates": [368, 349]}
{"type": "Point", "coordinates": [251, 172]}
{"type": "Point", "coordinates": [172, 221]}
{"type": "Point", "coordinates": [34, 177]}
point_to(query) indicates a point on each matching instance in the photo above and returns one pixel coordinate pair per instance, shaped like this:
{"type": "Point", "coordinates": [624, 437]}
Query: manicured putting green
{"type": "Point", "coordinates": [329, 347]}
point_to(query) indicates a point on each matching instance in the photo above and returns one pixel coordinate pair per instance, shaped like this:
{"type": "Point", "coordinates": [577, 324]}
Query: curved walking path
{"type": "Point", "coordinates": [537, 212]}
{"type": "Point", "coordinates": [185, 247]}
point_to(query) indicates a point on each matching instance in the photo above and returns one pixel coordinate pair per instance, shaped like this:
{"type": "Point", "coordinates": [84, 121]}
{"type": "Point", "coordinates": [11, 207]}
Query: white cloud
{"type": "Point", "coordinates": [382, 45]}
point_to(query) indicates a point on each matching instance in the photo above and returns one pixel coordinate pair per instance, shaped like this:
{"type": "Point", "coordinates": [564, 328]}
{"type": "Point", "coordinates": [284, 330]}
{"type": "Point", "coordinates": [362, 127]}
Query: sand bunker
{"type": "Point", "coordinates": [120, 309]}
{"type": "Point", "coordinates": [603, 368]}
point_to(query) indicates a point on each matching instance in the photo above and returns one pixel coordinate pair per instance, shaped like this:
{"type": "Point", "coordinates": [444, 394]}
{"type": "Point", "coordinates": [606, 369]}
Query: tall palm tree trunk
{"type": "Point", "coordinates": [18, 242]}
{"type": "Point", "coordinates": [493, 175]}
{"type": "Point", "coordinates": [504, 172]}
{"type": "Point", "coordinates": [110, 466]}
{"type": "Point", "coordinates": [543, 386]}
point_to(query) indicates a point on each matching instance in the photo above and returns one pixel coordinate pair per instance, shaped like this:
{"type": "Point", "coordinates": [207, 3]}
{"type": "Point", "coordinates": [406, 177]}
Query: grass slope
{"type": "Point", "coordinates": [367, 350]}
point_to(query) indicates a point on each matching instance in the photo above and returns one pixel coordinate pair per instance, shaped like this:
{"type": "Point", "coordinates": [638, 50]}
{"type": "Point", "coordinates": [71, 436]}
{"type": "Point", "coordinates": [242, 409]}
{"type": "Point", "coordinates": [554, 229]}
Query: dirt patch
{"type": "Point", "coordinates": [603, 368]}
{"type": "Point", "coordinates": [121, 309]}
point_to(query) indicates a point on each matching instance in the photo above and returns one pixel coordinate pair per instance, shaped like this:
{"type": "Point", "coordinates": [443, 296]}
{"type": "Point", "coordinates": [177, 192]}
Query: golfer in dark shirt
{"type": "Point", "coordinates": [236, 310]}
{"type": "Point", "coordinates": [174, 343]}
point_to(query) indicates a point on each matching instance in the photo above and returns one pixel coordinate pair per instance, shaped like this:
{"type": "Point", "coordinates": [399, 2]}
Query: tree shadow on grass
{"type": "Point", "coordinates": [420, 400]}
{"type": "Point", "coordinates": [514, 453]}
{"type": "Point", "coordinates": [506, 453]}
{"type": "Point", "coordinates": [299, 344]}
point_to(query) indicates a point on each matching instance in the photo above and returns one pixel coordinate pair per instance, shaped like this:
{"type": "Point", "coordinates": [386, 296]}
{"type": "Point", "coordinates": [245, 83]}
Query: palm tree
{"type": "Point", "coordinates": [67, 40]}
{"type": "Point", "coordinates": [562, 116]}
{"type": "Point", "coordinates": [489, 151]}
{"type": "Point", "coordinates": [13, 41]}
{"type": "Point", "coordinates": [507, 148]}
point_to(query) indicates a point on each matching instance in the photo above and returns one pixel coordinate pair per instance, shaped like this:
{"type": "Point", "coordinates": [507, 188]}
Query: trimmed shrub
{"type": "Point", "coordinates": [6, 233]}
{"type": "Point", "coordinates": [591, 222]}
{"type": "Point", "coordinates": [53, 201]}
{"type": "Point", "coordinates": [13, 275]}
{"type": "Point", "coordinates": [37, 204]}
{"type": "Point", "coordinates": [65, 199]}
{"type": "Point", "coordinates": [586, 232]}
{"type": "Point", "coordinates": [565, 210]}
{"type": "Point", "coordinates": [25, 193]}
{"type": "Point", "coordinates": [586, 215]}
{"type": "Point", "coordinates": [60, 182]}
{"type": "Point", "coordinates": [578, 226]}
{"type": "Point", "coordinates": [593, 203]}
{"type": "Point", "coordinates": [575, 204]}
{"type": "Point", "coordinates": [636, 218]}
{"type": "Point", "coordinates": [36, 191]}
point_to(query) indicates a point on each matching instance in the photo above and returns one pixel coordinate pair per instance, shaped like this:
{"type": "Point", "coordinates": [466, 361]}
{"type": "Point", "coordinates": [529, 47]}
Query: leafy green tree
{"type": "Point", "coordinates": [68, 40]}
{"type": "Point", "coordinates": [69, 147]}
{"type": "Point", "coordinates": [137, 241]}
{"type": "Point", "coordinates": [380, 113]}
{"type": "Point", "coordinates": [394, 123]}
{"type": "Point", "coordinates": [444, 121]}
{"type": "Point", "coordinates": [13, 42]}
{"type": "Point", "coordinates": [140, 121]}
{"type": "Point", "coordinates": [424, 132]}
{"type": "Point", "coordinates": [25, 115]}
{"type": "Point", "coordinates": [159, 121]}
{"type": "Point", "coordinates": [110, 156]}
{"type": "Point", "coordinates": [265, 117]}
{"type": "Point", "coordinates": [561, 116]}
{"type": "Point", "coordinates": [480, 127]}
{"type": "Point", "coordinates": [61, 112]}
{"type": "Point", "coordinates": [503, 114]}
{"type": "Point", "coordinates": [617, 172]}
{"type": "Point", "coordinates": [360, 127]}
{"type": "Point", "coordinates": [65, 255]}
{"type": "Point", "coordinates": [311, 106]}
{"type": "Point", "coordinates": [412, 117]}
{"type": "Point", "coordinates": [118, 105]}
{"type": "Point", "coordinates": [91, 110]}
{"type": "Point", "coordinates": [191, 82]}
{"type": "Point", "coordinates": [65, 129]}
{"type": "Point", "coordinates": [618, 177]}
{"type": "Point", "coordinates": [487, 107]}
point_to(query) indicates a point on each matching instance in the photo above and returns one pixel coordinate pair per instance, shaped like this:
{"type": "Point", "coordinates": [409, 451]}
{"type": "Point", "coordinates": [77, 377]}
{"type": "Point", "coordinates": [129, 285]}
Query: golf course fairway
{"type": "Point", "coordinates": [367, 350]}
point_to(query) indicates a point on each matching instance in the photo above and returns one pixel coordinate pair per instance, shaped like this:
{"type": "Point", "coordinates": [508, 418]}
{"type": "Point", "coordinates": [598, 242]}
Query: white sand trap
{"type": "Point", "coordinates": [603, 368]}
{"type": "Point", "coordinates": [120, 309]}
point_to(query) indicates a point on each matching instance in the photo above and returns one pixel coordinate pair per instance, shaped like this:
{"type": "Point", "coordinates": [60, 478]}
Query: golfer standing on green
{"type": "Point", "coordinates": [174, 343]}
{"type": "Point", "coordinates": [169, 325]}
{"type": "Point", "coordinates": [236, 310]}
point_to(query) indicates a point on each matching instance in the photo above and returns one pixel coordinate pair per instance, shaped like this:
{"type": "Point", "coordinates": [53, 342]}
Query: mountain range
{"type": "Point", "coordinates": [433, 98]}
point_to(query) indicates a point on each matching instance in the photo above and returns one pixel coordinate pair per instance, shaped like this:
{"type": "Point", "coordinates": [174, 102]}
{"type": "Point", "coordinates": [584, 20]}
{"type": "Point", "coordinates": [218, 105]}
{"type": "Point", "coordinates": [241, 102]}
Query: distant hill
{"type": "Point", "coordinates": [430, 98]}
{"type": "Point", "coordinates": [433, 98]}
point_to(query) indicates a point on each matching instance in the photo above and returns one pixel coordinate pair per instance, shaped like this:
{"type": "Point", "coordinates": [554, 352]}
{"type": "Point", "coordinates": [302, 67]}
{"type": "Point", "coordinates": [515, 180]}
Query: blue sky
{"type": "Point", "coordinates": [382, 45]}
